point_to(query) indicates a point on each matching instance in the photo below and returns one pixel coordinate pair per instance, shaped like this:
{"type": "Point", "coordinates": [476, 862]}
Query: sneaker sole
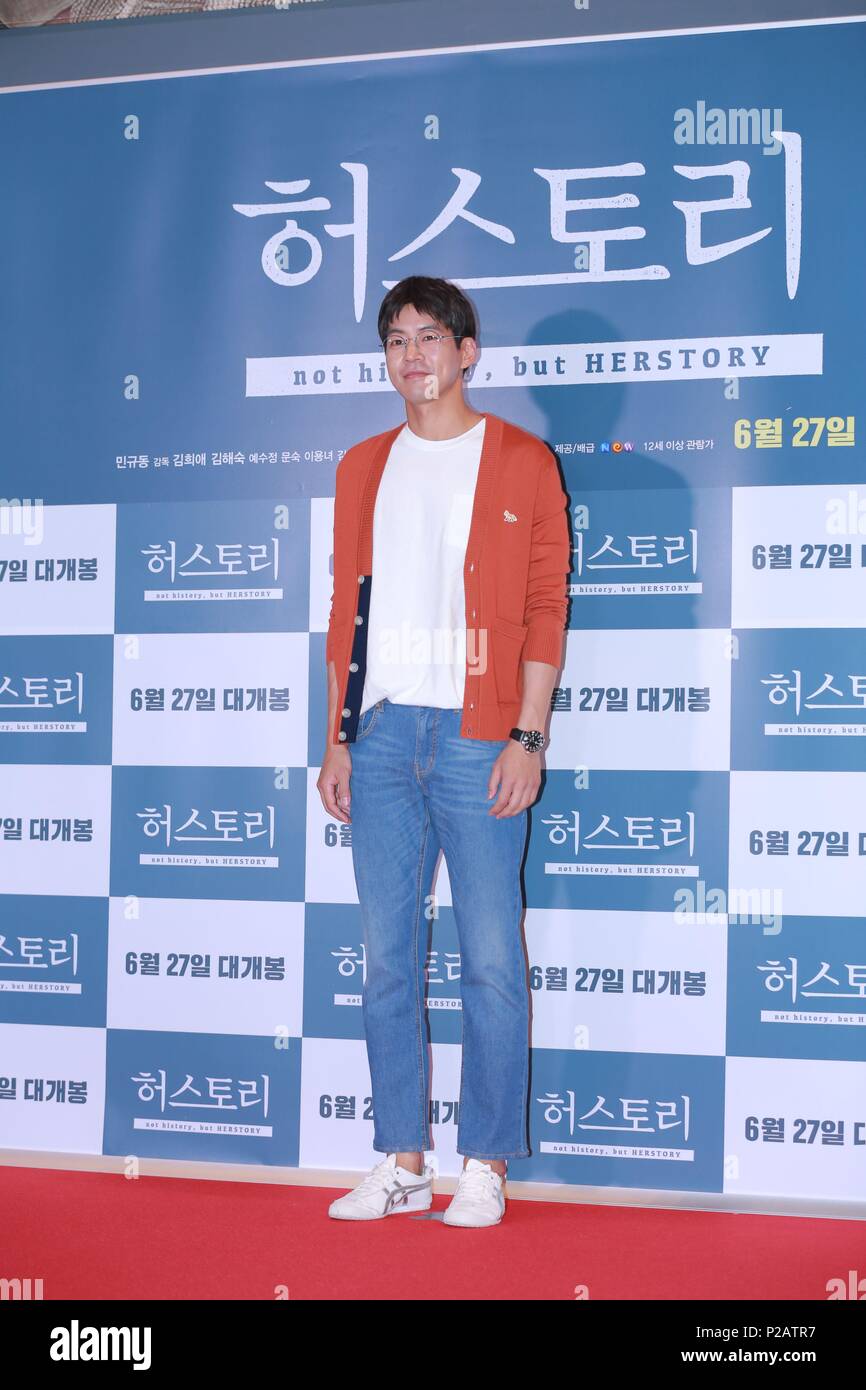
{"type": "Point", "coordinates": [471, 1225]}
{"type": "Point", "coordinates": [395, 1211]}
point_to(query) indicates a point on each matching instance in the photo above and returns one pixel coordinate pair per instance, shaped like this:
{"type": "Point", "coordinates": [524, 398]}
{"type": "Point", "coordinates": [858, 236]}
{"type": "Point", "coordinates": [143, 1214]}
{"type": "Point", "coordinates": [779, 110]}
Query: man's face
{"type": "Point", "coordinates": [426, 371]}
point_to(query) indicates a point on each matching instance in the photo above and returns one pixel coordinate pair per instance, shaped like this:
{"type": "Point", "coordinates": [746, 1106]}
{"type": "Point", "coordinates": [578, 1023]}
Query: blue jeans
{"type": "Point", "coordinates": [417, 786]}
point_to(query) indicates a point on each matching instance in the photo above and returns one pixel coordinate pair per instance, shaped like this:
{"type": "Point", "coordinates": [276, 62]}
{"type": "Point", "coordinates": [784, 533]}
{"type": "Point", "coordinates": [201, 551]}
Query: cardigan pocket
{"type": "Point", "coordinates": [508, 640]}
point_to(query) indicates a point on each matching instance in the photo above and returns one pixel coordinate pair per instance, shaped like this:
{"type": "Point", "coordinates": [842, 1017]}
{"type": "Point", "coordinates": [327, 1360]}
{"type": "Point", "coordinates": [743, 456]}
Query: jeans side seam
{"type": "Point", "coordinates": [419, 1003]}
{"type": "Point", "coordinates": [525, 1090]}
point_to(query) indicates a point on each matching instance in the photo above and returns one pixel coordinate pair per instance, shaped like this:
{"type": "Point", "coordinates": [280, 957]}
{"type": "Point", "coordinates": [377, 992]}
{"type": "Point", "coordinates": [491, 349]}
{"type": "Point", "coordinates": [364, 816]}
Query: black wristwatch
{"type": "Point", "coordinates": [532, 739]}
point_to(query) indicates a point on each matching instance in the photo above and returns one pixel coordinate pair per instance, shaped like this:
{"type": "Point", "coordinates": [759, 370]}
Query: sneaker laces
{"type": "Point", "coordinates": [476, 1185]}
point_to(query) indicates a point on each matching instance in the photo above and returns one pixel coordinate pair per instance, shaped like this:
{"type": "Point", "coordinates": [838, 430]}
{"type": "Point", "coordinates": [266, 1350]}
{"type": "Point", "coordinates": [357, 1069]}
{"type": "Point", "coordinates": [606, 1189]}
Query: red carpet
{"type": "Point", "coordinates": [101, 1236]}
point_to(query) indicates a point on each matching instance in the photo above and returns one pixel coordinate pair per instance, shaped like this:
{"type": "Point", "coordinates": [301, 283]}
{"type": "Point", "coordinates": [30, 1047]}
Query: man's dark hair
{"type": "Point", "coordinates": [440, 299]}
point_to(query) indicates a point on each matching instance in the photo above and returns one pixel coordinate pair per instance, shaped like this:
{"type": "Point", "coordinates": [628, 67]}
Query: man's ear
{"type": "Point", "coordinates": [470, 366]}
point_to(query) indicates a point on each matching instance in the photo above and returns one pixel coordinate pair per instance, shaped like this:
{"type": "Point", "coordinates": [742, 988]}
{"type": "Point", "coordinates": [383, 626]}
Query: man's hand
{"type": "Point", "coordinates": [517, 774]}
{"type": "Point", "coordinates": [333, 783]}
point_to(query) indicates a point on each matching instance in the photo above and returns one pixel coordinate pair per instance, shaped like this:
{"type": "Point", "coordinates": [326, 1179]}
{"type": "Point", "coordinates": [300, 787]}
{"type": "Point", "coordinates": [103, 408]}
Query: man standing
{"type": "Point", "coordinates": [442, 658]}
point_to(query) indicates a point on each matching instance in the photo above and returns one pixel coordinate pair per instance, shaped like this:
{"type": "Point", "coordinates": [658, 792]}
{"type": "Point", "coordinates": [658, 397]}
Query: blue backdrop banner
{"type": "Point", "coordinates": [663, 239]}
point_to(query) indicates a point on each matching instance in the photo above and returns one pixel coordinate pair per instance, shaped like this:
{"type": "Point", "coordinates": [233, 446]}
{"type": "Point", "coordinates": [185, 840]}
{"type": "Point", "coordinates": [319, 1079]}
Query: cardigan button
{"type": "Point", "coordinates": [360, 578]}
{"type": "Point", "coordinates": [343, 734]}
{"type": "Point", "coordinates": [346, 713]}
{"type": "Point", "coordinates": [358, 620]}
{"type": "Point", "coordinates": [353, 665]}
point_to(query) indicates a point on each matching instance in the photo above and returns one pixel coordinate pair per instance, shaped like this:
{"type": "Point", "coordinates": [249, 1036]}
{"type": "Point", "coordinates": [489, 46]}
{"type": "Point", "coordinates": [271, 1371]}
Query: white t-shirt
{"type": "Point", "coordinates": [416, 633]}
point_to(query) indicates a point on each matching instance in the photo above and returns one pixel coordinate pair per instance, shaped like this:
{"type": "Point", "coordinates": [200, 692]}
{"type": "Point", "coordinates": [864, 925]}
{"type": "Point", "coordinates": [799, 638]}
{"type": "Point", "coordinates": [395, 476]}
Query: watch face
{"type": "Point", "coordinates": [533, 740]}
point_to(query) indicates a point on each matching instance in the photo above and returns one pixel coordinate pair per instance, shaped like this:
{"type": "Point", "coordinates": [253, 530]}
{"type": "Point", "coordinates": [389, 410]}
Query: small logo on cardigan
{"type": "Point", "coordinates": [509, 516]}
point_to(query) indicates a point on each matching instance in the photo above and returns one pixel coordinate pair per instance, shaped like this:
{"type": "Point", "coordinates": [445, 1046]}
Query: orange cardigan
{"type": "Point", "coordinates": [515, 570]}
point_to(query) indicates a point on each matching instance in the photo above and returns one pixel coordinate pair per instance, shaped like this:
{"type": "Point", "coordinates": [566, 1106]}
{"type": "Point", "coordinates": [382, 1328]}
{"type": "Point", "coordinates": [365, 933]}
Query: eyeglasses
{"type": "Point", "coordinates": [398, 342]}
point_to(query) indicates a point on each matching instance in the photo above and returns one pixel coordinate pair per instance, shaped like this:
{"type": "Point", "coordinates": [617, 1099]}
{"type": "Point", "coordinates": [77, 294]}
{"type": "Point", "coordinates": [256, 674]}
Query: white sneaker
{"type": "Point", "coordinates": [387, 1190]}
{"type": "Point", "coordinates": [479, 1199]}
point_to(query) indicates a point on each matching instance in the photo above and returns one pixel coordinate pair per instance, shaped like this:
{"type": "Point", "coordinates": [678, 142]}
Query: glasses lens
{"type": "Point", "coordinates": [398, 342]}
